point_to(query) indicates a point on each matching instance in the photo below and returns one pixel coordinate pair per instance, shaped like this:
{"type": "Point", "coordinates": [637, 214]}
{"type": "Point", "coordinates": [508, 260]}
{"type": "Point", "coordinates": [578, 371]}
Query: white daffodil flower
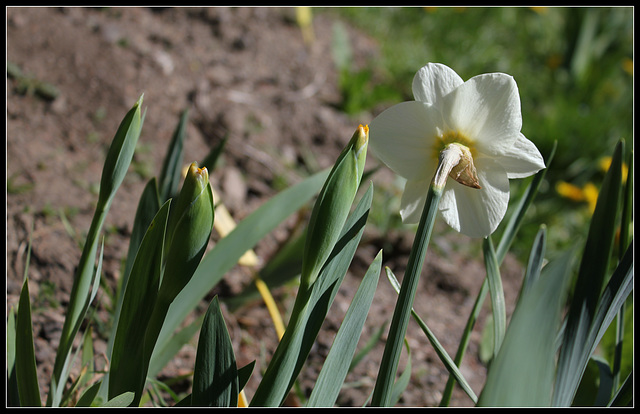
{"type": "Point", "coordinates": [482, 118]}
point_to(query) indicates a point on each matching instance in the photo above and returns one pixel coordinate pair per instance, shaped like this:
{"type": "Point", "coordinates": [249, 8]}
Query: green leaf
{"type": "Point", "coordinates": [310, 310]}
{"type": "Point", "coordinates": [162, 355]}
{"type": "Point", "coordinates": [497, 294]}
{"type": "Point", "coordinates": [574, 355]}
{"type": "Point", "coordinates": [521, 375]}
{"type": "Point", "coordinates": [228, 250]}
{"type": "Point", "coordinates": [171, 173]}
{"type": "Point", "coordinates": [120, 154]}
{"type": "Point", "coordinates": [122, 400]}
{"type": "Point", "coordinates": [536, 258]}
{"type": "Point", "coordinates": [244, 374]}
{"type": "Point", "coordinates": [283, 267]}
{"type": "Point", "coordinates": [13, 396]}
{"type": "Point", "coordinates": [211, 160]}
{"type": "Point", "coordinates": [215, 376]}
{"type": "Point", "coordinates": [336, 365]}
{"type": "Point", "coordinates": [368, 346]}
{"type": "Point", "coordinates": [513, 224]}
{"type": "Point", "coordinates": [403, 381]}
{"type": "Point", "coordinates": [400, 320]}
{"type": "Point", "coordinates": [25, 359]}
{"type": "Point", "coordinates": [624, 396]}
{"type": "Point", "coordinates": [442, 353]}
{"type": "Point", "coordinates": [115, 167]}
{"type": "Point", "coordinates": [89, 395]}
{"type": "Point", "coordinates": [138, 303]}
{"type": "Point", "coordinates": [148, 206]}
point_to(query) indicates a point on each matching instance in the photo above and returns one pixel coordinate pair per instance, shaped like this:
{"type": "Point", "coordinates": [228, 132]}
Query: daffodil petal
{"type": "Point", "coordinates": [402, 137]}
{"type": "Point", "coordinates": [477, 212]}
{"type": "Point", "coordinates": [434, 81]}
{"type": "Point", "coordinates": [522, 159]}
{"type": "Point", "coordinates": [487, 110]}
{"type": "Point", "coordinates": [413, 199]}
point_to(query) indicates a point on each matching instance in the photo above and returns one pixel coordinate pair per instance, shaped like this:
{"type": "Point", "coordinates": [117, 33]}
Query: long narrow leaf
{"type": "Point", "coordinates": [25, 362]}
{"type": "Point", "coordinates": [335, 368]}
{"type": "Point", "coordinates": [442, 353]}
{"type": "Point", "coordinates": [612, 299]}
{"type": "Point", "coordinates": [593, 267]}
{"type": "Point", "coordinates": [139, 299]}
{"type": "Point", "coordinates": [148, 206]}
{"type": "Point", "coordinates": [215, 376]}
{"type": "Point", "coordinates": [211, 160]}
{"type": "Point", "coordinates": [309, 313]}
{"type": "Point", "coordinates": [497, 294]}
{"type": "Point", "coordinates": [13, 396]}
{"type": "Point", "coordinates": [228, 250]}
{"type": "Point", "coordinates": [403, 380]}
{"type": "Point", "coordinates": [171, 173]}
{"type": "Point", "coordinates": [508, 235]}
{"type": "Point", "coordinates": [535, 259]}
{"type": "Point", "coordinates": [522, 372]}
{"type": "Point", "coordinates": [624, 396]}
{"type": "Point", "coordinates": [115, 167]}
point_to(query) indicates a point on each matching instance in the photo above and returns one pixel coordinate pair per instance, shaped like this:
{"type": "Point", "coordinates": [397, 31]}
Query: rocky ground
{"type": "Point", "coordinates": [245, 72]}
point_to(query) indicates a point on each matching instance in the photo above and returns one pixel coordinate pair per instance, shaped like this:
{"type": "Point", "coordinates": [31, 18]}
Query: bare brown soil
{"type": "Point", "coordinates": [241, 71]}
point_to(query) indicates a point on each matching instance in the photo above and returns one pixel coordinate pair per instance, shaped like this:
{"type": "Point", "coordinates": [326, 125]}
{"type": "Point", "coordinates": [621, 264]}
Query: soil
{"type": "Point", "coordinates": [245, 72]}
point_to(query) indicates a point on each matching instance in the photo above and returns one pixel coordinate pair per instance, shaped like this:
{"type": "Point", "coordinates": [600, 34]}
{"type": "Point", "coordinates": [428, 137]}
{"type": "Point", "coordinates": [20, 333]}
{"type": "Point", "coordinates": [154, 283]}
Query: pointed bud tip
{"type": "Point", "coordinates": [200, 173]}
{"type": "Point", "coordinates": [362, 137]}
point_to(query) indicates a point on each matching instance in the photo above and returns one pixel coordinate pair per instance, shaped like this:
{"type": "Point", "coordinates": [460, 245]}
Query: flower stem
{"type": "Point", "coordinates": [388, 367]}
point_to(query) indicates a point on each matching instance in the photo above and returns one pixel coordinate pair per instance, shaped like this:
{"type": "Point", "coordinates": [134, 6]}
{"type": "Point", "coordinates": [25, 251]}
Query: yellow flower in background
{"type": "Point", "coordinates": [605, 163]}
{"type": "Point", "coordinates": [627, 65]}
{"type": "Point", "coordinates": [479, 119]}
{"type": "Point", "coordinates": [588, 193]}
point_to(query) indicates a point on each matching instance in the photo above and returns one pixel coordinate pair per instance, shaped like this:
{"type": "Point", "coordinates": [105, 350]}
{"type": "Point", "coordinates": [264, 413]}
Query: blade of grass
{"type": "Point", "coordinates": [336, 365]}
{"type": "Point", "coordinates": [591, 274]}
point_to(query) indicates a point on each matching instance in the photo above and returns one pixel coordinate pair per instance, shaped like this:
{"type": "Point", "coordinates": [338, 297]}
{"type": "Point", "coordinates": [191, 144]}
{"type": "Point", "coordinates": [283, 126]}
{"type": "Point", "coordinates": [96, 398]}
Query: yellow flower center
{"type": "Point", "coordinates": [452, 137]}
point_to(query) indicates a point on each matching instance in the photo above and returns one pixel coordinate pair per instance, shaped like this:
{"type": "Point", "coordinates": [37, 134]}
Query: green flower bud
{"type": "Point", "coordinates": [333, 204]}
{"type": "Point", "coordinates": [188, 231]}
